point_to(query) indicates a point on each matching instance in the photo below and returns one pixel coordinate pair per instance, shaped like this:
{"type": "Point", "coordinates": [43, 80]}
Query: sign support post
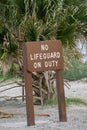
{"type": "Point", "coordinates": [61, 95]}
{"type": "Point", "coordinates": [43, 56]}
{"type": "Point", "coordinates": [29, 92]}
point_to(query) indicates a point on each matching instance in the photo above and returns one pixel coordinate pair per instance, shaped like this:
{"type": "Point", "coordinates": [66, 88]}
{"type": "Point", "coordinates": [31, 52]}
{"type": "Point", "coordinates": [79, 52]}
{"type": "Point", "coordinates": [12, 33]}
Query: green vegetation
{"type": "Point", "coordinates": [12, 74]}
{"type": "Point", "coordinates": [69, 101]}
{"type": "Point", "coordinates": [14, 70]}
{"type": "Point", "coordinates": [51, 101]}
{"type": "Point", "coordinates": [77, 71]}
{"type": "Point", "coordinates": [1, 76]}
{"type": "Point", "coordinates": [75, 101]}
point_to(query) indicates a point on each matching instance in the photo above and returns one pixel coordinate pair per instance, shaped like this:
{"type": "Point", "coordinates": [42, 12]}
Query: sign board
{"type": "Point", "coordinates": [43, 56]}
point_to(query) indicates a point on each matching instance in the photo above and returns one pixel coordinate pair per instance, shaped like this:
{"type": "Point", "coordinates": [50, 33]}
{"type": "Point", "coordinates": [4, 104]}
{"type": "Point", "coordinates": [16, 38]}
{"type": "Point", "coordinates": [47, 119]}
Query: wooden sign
{"type": "Point", "coordinates": [43, 56]}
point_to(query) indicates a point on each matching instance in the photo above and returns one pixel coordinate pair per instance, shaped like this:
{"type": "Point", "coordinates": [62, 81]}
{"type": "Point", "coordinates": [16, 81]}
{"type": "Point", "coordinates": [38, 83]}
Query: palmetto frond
{"type": "Point", "coordinates": [79, 12]}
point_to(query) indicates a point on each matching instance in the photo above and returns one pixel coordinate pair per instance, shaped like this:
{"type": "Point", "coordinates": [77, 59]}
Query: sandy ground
{"type": "Point", "coordinates": [76, 115]}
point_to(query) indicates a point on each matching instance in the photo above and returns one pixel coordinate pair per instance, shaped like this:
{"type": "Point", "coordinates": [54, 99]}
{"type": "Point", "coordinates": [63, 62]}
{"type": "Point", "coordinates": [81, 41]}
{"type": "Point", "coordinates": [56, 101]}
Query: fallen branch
{"type": "Point", "coordinates": [7, 84]}
{"type": "Point", "coordinates": [8, 115]}
{"type": "Point", "coordinates": [8, 89]}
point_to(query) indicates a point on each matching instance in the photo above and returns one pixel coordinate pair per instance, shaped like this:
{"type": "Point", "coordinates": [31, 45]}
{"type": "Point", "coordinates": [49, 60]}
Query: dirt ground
{"type": "Point", "coordinates": [76, 114]}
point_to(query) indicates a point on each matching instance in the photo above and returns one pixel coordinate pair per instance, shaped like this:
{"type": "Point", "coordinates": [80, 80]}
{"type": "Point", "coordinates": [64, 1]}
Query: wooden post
{"type": "Point", "coordinates": [29, 92]}
{"type": "Point", "coordinates": [61, 96]}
